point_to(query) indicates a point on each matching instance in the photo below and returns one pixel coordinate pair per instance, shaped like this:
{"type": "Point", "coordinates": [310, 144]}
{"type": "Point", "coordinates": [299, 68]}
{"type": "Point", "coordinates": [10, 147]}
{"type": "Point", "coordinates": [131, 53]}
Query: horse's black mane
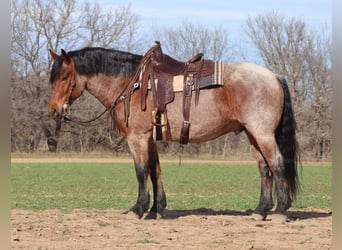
{"type": "Point", "coordinates": [94, 60]}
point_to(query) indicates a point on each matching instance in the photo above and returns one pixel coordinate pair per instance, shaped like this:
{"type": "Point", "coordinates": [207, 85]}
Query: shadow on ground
{"type": "Point", "coordinates": [292, 215]}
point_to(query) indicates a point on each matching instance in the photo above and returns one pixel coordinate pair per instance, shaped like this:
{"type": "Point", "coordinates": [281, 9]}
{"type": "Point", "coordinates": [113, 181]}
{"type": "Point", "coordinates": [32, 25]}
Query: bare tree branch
{"type": "Point", "coordinates": [189, 39]}
{"type": "Point", "coordinates": [289, 48]}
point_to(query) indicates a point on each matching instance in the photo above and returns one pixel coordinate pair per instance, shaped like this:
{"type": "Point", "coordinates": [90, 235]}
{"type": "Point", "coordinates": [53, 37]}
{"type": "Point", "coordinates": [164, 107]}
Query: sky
{"type": "Point", "coordinates": [225, 12]}
{"type": "Point", "coordinates": [231, 15]}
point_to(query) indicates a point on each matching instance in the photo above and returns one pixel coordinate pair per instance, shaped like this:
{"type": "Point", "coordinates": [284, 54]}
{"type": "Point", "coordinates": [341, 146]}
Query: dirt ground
{"type": "Point", "coordinates": [189, 229]}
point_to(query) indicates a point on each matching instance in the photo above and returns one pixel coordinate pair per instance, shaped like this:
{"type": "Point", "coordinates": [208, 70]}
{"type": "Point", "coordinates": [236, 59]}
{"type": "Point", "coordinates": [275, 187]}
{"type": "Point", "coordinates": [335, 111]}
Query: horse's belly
{"type": "Point", "coordinates": [209, 119]}
{"type": "Point", "coordinates": [203, 130]}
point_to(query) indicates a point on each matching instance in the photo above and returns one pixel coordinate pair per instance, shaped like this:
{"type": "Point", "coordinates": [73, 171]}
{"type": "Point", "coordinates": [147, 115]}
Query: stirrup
{"type": "Point", "coordinates": [159, 121]}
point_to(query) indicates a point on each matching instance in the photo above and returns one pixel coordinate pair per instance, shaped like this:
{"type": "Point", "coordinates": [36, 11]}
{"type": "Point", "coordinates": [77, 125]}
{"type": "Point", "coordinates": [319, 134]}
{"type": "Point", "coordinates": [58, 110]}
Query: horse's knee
{"type": "Point", "coordinates": [141, 171]}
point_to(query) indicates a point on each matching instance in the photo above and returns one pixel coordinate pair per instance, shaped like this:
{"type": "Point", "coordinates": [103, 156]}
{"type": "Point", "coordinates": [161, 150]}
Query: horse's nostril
{"type": "Point", "coordinates": [54, 114]}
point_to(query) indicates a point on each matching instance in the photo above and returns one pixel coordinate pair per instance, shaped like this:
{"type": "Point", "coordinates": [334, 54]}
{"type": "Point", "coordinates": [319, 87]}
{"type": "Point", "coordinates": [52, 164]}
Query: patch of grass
{"type": "Point", "coordinates": [146, 241]}
{"type": "Point", "coordinates": [103, 224]}
{"type": "Point", "coordinates": [299, 227]}
{"type": "Point", "coordinates": [190, 186]}
{"type": "Point", "coordinates": [316, 187]}
{"type": "Point", "coordinates": [66, 232]}
{"type": "Point", "coordinates": [16, 225]}
{"type": "Point", "coordinates": [70, 186]}
{"type": "Point", "coordinates": [306, 240]}
{"type": "Point", "coordinates": [213, 186]}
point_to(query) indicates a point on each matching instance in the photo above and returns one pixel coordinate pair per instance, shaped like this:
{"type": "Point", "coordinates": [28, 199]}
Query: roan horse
{"type": "Point", "coordinates": [252, 99]}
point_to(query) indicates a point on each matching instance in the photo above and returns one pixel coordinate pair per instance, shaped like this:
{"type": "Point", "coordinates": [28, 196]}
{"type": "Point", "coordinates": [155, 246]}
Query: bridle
{"type": "Point", "coordinates": [125, 94]}
{"type": "Point", "coordinates": [72, 85]}
{"type": "Point", "coordinates": [121, 98]}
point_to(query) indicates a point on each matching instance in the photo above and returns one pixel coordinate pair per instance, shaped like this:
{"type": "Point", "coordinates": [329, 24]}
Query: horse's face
{"type": "Point", "coordinates": [64, 90]}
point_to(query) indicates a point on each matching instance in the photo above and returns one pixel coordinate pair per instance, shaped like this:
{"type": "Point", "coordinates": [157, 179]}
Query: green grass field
{"type": "Point", "coordinates": [192, 185]}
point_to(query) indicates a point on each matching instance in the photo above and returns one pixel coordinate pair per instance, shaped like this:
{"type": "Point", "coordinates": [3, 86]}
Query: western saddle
{"type": "Point", "coordinates": [158, 72]}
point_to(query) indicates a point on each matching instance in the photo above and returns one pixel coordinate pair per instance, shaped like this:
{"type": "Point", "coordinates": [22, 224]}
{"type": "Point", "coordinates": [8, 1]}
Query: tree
{"type": "Point", "coordinates": [109, 28]}
{"type": "Point", "coordinates": [37, 26]}
{"type": "Point", "coordinates": [188, 39]}
{"type": "Point", "coordinates": [289, 48]}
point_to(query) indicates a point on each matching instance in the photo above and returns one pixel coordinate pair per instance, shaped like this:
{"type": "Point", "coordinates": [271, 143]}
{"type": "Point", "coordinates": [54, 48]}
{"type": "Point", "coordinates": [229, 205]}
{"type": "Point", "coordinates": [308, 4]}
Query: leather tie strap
{"type": "Point", "coordinates": [188, 83]}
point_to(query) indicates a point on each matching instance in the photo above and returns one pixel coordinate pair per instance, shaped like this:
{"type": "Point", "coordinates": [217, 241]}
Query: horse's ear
{"type": "Point", "coordinates": [65, 56]}
{"type": "Point", "coordinates": [53, 55]}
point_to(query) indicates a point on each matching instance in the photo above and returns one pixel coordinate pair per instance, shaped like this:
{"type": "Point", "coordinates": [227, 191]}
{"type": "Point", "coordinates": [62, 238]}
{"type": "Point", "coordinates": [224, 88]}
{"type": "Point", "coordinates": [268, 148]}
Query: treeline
{"type": "Point", "coordinates": [286, 45]}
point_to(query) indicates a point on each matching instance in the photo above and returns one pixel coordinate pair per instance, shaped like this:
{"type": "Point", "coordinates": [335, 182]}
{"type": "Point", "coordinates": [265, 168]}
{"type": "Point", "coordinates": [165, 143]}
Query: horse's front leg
{"type": "Point", "coordinates": [139, 150]}
{"type": "Point", "coordinates": [159, 197]}
{"type": "Point", "coordinates": [146, 162]}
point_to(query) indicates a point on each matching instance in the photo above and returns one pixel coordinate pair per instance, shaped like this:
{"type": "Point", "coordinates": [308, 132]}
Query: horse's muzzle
{"type": "Point", "coordinates": [53, 113]}
{"type": "Point", "coordinates": [59, 112]}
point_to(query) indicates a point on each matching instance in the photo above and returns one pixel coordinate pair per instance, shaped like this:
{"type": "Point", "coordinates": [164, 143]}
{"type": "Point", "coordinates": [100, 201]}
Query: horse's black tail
{"type": "Point", "coordinates": [287, 142]}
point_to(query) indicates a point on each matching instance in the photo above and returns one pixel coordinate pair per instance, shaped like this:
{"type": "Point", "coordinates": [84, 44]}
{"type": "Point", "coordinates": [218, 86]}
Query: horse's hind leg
{"type": "Point", "coordinates": [275, 161]}
{"type": "Point", "coordinates": [270, 152]}
{"type": "Point", "coordinates": [266, 200]}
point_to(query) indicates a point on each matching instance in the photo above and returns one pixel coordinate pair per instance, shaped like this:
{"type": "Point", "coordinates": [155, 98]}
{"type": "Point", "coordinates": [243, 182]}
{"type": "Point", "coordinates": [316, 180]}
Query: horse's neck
{"type": "Point", "coordinates": [105, 88]}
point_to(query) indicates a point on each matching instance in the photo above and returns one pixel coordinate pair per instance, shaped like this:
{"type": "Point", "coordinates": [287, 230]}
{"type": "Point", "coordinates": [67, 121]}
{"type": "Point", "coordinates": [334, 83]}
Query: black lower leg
{"type": "Point", "coordinates": [143, 201]}
{"type": "Point", "coordinates": [283, 198]}
{"type": "Point", "coordinates": [266, 200]}
{"type": "Point", "coordinates": [159, 201]}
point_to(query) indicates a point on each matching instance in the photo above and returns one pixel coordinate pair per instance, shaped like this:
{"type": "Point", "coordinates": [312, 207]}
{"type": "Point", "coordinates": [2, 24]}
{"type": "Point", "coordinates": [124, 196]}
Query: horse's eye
{"type": "Point", "coordinates": [64, 78]}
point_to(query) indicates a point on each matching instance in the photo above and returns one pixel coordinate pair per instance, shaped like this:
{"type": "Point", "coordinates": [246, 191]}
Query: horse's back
{"type": "Point", "coordinates": [250, 75]}
{"type": "Point", "coordinates": [257, 92]}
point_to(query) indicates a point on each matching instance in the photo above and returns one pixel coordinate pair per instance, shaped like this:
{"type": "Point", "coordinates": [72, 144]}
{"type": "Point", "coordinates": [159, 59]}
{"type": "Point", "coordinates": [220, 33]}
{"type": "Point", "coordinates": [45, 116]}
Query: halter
{"type": "Point", "coordinates": [72, 85]}
{"type": "Point", "coordinates": [66, 104]}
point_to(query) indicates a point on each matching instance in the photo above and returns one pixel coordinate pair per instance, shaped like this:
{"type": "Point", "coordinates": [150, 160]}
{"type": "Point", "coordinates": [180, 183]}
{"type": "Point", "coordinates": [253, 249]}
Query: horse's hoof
{"type": "Point", "coordinates": [278, 218]}
{"type": "Point", "coordinates": [130, 215]}
{"type": "Point", "coordinates": [258, 217]}
{"type": "Point", "coordinates": [153, 216]}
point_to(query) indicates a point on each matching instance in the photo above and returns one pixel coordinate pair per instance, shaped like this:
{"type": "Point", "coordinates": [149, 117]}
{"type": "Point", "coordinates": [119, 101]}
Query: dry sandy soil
{"type": "Point", "coordinates": [190, 229]}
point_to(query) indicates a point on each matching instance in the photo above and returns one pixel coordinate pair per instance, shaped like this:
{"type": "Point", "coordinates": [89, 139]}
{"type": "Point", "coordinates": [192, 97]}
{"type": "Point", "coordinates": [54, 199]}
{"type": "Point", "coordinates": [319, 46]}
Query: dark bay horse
{"type": "Point", "coordinates": [252, 99]}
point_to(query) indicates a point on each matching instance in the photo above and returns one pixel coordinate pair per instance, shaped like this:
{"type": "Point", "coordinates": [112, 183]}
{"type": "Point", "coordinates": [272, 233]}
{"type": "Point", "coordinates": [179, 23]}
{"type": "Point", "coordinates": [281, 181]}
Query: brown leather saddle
{"type": "Point", "coordinates": [158, 75]}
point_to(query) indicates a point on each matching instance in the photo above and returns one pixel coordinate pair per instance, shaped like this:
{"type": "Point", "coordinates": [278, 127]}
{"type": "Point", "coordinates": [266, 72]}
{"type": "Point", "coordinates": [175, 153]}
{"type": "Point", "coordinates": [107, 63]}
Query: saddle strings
{"type": "Point", "coordinates": [128, 91]}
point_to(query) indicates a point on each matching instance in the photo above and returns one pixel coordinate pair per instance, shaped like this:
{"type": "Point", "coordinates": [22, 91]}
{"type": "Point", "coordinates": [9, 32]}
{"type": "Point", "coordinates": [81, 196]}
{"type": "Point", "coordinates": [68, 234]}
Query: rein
{"type": "Point", "coordinates": [119, 100]}
{"type": "Point", "coordinates": [84, 123]}
{"type": "Point", "coordinates": [66, 105]}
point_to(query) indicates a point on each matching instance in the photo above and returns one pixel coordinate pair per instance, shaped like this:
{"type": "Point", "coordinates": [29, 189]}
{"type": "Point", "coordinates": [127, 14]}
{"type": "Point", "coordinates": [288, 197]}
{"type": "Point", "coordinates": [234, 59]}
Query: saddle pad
{"type": "Point", "coordinates": [215, 79]}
